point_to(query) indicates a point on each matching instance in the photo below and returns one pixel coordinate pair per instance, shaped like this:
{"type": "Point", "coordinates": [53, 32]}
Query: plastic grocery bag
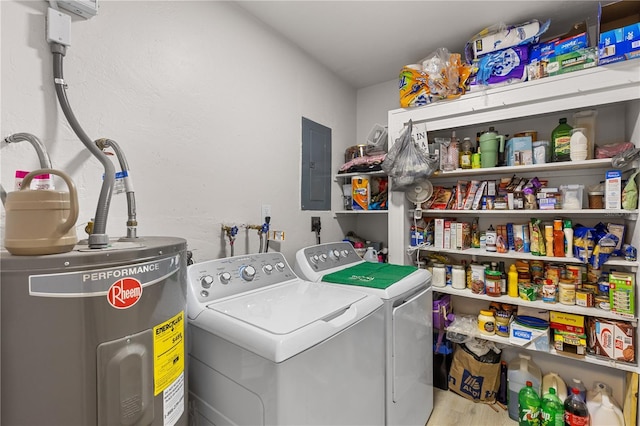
{"type": "Point", "coordinates": [406, 164]}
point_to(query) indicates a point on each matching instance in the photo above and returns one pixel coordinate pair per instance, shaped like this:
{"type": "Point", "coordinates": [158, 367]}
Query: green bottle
{"type": "Point", "coordinates": [552, 413]}
{"type": "Point", "coordinates": [561, 142]}
{"type": "Point", "coordinates": [528, 406]}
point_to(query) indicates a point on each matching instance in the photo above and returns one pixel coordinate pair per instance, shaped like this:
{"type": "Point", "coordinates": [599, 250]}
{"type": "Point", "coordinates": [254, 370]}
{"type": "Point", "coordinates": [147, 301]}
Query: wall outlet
{"type": "Point", "coordinates": [265, 211]}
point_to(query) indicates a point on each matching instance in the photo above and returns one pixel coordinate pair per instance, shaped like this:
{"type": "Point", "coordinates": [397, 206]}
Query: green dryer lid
{"type": "Point", "coordinates": [369, 274]}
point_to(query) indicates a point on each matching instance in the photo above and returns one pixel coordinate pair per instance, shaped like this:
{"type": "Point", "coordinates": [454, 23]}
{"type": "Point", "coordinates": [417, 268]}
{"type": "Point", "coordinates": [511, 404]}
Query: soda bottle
{"type": "Point", "coordinates": [552, 413]}
{"type": "Point", "coordinates": [528, 406]}
{"type": "Point", "coordinates": [575, 410]}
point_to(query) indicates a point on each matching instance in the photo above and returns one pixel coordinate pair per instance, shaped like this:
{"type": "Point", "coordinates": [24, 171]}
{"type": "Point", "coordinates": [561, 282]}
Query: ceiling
{"type": "Point", "coordinates": [368, 42]}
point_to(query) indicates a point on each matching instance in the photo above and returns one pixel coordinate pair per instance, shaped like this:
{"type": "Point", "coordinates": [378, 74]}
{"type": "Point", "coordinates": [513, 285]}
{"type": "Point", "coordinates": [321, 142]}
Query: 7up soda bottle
{"type": "Point", "coordinates": [528, 406]}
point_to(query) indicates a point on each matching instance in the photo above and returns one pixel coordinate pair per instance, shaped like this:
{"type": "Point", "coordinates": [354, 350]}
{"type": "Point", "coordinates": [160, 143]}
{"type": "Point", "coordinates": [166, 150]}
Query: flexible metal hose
{"type": "Point", "coordinates": [45, 161]}
{"type": "Point", "coordinates": [132, 222]}
{"type": "Point", "coordinates": [98, 238]}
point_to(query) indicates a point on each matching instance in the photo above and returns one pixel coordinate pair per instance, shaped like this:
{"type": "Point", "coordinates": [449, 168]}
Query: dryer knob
{"type": "Point", "coordinates": [280, 266]}
{"type": "Point", "coordinates": [334, 254]}
{"type": "Point", "coordinates": [323, 257]}
{"type": "Point", "coordinates": [267, 269]}
{"type": "Point", "coordinates": [206, 281]}
{"type": "Point", "coordinates": [314, 259]}
{"type": "Point", "coordinates": [225, 277]}
{"type": "Point", "coordinates": [248, 273]}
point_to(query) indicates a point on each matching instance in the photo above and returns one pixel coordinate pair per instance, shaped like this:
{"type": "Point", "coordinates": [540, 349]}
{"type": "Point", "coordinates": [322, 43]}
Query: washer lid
{"type": "Point", "coordinates": [284, 309]}
{"type": "Point", "coordinates": [281, 321]}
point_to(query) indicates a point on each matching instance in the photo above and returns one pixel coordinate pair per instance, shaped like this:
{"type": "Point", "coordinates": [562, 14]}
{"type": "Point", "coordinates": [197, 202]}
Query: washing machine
{"type": "Point", "coordinates": [407, 297]}
{"type": "Point", "coordinates": [268, 348]}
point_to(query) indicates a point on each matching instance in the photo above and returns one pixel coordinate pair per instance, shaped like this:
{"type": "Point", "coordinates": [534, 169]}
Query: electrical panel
{"type": "Point", "coordinates": [85, 8]}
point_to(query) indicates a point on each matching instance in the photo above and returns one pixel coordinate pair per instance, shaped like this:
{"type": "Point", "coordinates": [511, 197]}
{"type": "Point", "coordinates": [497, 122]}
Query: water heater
{"type": "Point", "coordinates": [95, 337]}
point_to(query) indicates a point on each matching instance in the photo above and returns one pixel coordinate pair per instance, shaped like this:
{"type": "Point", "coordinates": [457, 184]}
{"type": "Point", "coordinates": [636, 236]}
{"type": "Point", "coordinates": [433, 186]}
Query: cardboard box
{"type": "Point", "coordinates": [570, 342]}
{"type": "Point", "coordinates": [573, 61]}
{"type": "Point", "coordinates": [522, 335]}
{"type": "Point", "coordinates": [619, 31]}
{"type": "Point", "coordinates": [612, 339]}
{"type": "Point", "coordinates": [438, 234]}
{"type": "Point", "coordinates": [519, 151]}
{"type": "Point", "coordinates": [613, 190]}
{"type": "Point", "coordinates": [622, 292]}
{"type": "Point", "coordinates": [540, 55]}
{"type": "Point", "coordinates": [567, 321]}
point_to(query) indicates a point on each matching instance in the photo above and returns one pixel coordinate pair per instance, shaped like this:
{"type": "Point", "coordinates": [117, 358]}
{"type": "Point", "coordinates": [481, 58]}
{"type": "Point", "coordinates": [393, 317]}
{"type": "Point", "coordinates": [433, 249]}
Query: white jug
{"type": "Point", "coordinates": [553, 380]}
{"type": "Point", "coordinates": [371, 255]}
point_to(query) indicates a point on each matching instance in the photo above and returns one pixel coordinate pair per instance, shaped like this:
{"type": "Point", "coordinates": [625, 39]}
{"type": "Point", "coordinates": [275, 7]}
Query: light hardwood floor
{"type": "Point", "coordinates": [450, 409]}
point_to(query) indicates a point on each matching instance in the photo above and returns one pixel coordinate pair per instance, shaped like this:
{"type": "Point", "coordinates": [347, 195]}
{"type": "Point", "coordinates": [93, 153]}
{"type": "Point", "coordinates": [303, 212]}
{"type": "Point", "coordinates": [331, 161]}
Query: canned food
{"type": "Point", "coordinates": [584, 298]}
{"type": "Point", "coordinates": [553, 273]}
{"type": "Point", "coordinates": [574, 272]}
{"type": "Point", "coordinates": [567, 293]}
{"type": "Point", "coordinates": [602, 302]}
{"type": "Point", "coordinates": [502, 323]}
{"type": "Point", "coordinates": [549, 292]}
{"type": "Point", "coordinates": [536, 267]}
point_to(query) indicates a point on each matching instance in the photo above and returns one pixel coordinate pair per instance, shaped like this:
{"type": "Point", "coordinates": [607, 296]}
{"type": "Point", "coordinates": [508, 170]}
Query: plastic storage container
{"type": "Point", "coordinates": [521, 370]}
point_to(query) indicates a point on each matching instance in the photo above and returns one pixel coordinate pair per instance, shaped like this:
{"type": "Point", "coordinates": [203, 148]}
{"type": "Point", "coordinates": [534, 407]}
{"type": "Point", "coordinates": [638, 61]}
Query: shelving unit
{"type": "Point", "coordinates": [614, 91]}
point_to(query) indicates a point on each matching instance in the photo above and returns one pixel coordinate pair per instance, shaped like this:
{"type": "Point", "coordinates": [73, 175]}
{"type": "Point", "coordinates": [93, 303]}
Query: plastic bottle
{"type": "Point", "coordinates": [521, 370]}
{"type": "Point", "coordinates": [465, 153]}
{"type": "Point", "coordinates": [504, 387]}
{"type": "Point", "coordinates": [558, 238]}
{"type": "Point", "coordinates": [561, 141]}
{"type": "Point", "coordinates": [528, 406]}
{"type": "Point", "coordinates": [371, 255]}
{"type": "Point", "coordinates": [575, 410]}
{"type": "Point", "coordinates": [552, 409]}
{"type": "Point", "coordinates": [512, 281]}
{"type": "Point", "coordinates": [553, 380]}
{"type": "Point", "coordinates": [605, 413]}
{"type": "Point", "coordinates": [582, 389]}
{"type": "Point", "coordinates": [568, 238]}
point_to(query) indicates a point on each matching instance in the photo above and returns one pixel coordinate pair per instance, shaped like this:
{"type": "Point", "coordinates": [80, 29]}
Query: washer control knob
{"type": "Point", "coordinates": [280, 266]}
{"type": "Point", "coordinates": [267, 269]}
{"type": "Point", "coordinates": [314, 259]}
{"type": "Point", "coordinates": [344, 253]}
{"type": "Point", "coordinates": [334, 254]}
{"type": "Point", "coordinates": [323, 257]}
{"type": "Point", "coordinates": [225, 277]}
{"type": "Point", "coordinates": [248, 273]}
{"type": "Point", "coordinates": [206, 281]}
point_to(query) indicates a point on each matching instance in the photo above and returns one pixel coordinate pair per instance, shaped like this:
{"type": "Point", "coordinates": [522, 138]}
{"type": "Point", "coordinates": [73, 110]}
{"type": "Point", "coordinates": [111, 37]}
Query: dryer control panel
{"type": "Point", "coordinates": [320, 258]}
{"type": "Point", "coordinates": [219, 278]}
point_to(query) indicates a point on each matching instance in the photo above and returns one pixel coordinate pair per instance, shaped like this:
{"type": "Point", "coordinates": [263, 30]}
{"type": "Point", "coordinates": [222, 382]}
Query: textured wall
{"type": "Point", "coordinates": [205, 102]}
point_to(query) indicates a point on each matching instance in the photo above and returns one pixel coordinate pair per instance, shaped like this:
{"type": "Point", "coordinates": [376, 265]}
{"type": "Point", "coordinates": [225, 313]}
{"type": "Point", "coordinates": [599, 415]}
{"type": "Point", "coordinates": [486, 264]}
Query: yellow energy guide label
{"type": "Point", "coordinates": [168, 352]}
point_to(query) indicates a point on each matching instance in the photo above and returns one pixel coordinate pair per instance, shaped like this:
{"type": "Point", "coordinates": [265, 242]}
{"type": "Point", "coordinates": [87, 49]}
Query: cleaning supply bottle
{"type": "Point", "coordinates": [528, 406]}
{"type": "Point", "coordinates": [521, 370]}
{"type": "Point", "coordinates": [568, 238]}
{"type": "Point", "coordinates": [561, 141]}
{"type": "Point", "coordinates": [552, 409]}
{"type": "Point", "coordinates": [575, 410]}
{"type": "Point", "coordinates": [512, 281]}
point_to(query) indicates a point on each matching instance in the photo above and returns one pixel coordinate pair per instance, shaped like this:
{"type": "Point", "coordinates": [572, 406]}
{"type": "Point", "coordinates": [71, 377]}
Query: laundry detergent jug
{"type": "Point", "coordinates": [40, 221]}
{"type": "Point", "coordinates": [606, 413]}
{"type": "Point", "coordinates": [521, 371]}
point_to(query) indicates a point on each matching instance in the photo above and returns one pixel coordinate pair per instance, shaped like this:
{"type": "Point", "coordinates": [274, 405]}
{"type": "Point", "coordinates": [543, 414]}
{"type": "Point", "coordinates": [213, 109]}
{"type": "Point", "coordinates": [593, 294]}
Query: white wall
{"type": "Point", "coordinates": [204, 100]}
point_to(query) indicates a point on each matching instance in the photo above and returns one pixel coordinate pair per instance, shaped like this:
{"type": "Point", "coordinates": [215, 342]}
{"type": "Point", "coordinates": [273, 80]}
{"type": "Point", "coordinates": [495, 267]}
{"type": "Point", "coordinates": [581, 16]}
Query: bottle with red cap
{"type": "Point", "coordinates": [576, 412]}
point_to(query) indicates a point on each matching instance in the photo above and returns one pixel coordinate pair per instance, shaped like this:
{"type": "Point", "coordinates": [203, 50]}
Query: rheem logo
{"type": "Point", "coordinates": [124, 293]}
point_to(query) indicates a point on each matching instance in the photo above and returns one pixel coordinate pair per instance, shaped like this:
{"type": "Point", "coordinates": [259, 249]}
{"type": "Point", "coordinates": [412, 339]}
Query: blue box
{"type": "Point", "coordinates": [570, 44]}
{"type": "Point", "coordinates": [519, 151]}
{"type": "Point", "coordinates": [619, 32]}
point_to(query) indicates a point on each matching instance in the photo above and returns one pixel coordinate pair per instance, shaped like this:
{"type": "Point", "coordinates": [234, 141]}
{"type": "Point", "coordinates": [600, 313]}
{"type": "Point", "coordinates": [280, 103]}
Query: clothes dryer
{"type": "Point", "coordinates": [407, 296]}
{"type": "Point", "coordinates": [268, 348]}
